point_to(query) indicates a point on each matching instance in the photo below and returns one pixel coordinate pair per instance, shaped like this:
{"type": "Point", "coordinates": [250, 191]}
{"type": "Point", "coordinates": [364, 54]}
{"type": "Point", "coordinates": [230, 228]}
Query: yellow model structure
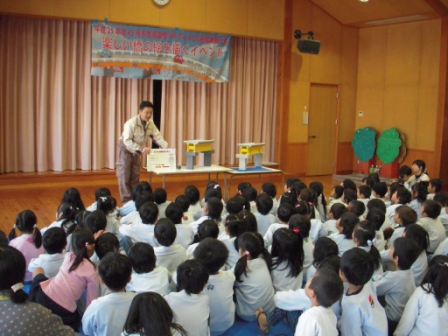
{"type": "Point", "coordinates": [194, 147]}
{"type": "Point", "coordinates": [247, 150]}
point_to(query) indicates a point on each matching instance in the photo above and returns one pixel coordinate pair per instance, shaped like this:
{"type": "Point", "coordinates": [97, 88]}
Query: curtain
{"type": "Point", "coordinates": [242, 110]}
{"type": "Point", "coordinates": [55, 116]}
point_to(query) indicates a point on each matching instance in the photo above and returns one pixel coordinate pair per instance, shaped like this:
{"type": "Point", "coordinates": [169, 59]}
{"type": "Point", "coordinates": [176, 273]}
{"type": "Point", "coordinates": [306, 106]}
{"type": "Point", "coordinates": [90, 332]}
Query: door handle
{"type": "Point", "coordinates": [312, 137]}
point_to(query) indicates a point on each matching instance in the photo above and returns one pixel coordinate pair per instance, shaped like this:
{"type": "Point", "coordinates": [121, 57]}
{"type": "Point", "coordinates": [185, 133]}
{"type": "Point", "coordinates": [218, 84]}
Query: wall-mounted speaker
{"type": "Point", "coordinates": [309, 46]}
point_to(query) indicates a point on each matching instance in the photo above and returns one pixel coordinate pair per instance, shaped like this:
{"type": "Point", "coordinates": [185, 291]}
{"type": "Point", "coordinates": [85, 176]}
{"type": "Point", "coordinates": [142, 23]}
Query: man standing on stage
{"type": "Point", "coordinates": [131, 147]}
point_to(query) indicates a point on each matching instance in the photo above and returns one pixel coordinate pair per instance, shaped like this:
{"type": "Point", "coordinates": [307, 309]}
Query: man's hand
{"type": "Point", "coordinates": [145, 151]}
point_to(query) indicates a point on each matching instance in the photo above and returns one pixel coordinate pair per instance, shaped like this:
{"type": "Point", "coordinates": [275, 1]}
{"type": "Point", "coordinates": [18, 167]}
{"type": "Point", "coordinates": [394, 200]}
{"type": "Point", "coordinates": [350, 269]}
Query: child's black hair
{"type": "Point", "coordinates": [250, 243]}
{"type": "Point", "coordinates": [338, 191]}
{"type": "Point", "coordinates": [12, 272]}
{"type": "Point", "coordinates": [327, 286]}
{"type": "Point", "coordinates": [264, 203]}
{"type": "Point", "coordinates": [192, 276]}
{"type": "Point", "coordinates": [371, 179]}
{"type": "Point", "coordinates": [287, 247]}
{"type": "Point", "coordinates": [432, 208]}
{"type": "Point", "coordinates": [407, 251]}
{"type": "Point", "coordinates": [357, 266]}
{"type": "Point", "coordinates": [284, 212]}
{"type": "Point", "coordinates": [338, 209]}
{"type": "Point", "coordinates": [3, 239]}
{"type": "Point", "coordinates": [165, 232]}
{"type": "Point", "coordinates": [302, 208]}
{"type": "Point", "coordinates": [319, 190]}
{"type": "Point", "coordinates": [140, 187]}
{"type": "Point", "coordinates": [377, 217]}
{"type": "Point", "coordinates": [82, 242]}
{"type": "Point", "coordinates": [102, 192]}
{"type": "Point", "coordinates": [365, 190]}
{"type": "Point", "coordinates": [357, 207]}
{"type": "Point", "coordinates": [106, 204]}
{"type": "Point", "coordinates": [250, 193]}
{"type": "Point", "coordinates": [150, 314]}
{"type": "Point", "coordinates": [66, 213]}
{"type": "Point", "coordinates": [376, 203]}
{"type": "Point", "coordinates": [249, 219]}
{"type": "Point", "coordinates": [308, 196]}
{"type": "Point", "coordinates": [269, 188]}
{"type": "Point", "coordinates": [435, 281]}
{"type": "Point", "coordinates": [174, 212]}
{"type": "Point", "coordinates": [349, 184]}
{"type": "Point", "coordinates": [96, 221]}
{"type": "Point", "coordinates": [192, 194]}
{"type": "Point", "coordinates": [403, 195]}
{"type": "Point", "coordinates": [213, 193]}
{"type": "Point", "coordinates": [365, 233]}
{"type": "Point", "coordinates": [160, 196]}
{"type": "Point", "coordinates": [419, 235]}
{"type": "Point", "coordinates": [73, 196]}
{"type": "Point", "coordinates": [183, 202]}
{"type": "Point", "coordinates": [302, 223]}
{"type": "Point", "coordinates": [80, 219]}
{"type": "Point", "coordinates": [404, 171]}
{"type": "Point", "coordinates": [324, 248]}
{"type": "Point", "coordinates": [348, 221]}
{"type": "Point", "coordinates": [242, 186]}
{"type": "Point", "coordinates": [437, 184]}
{"type": "Point", "coordinates": [393, 188]}
{"type": "Point", "coordinates": [288, 197]}
{"type": "Point", "coordinates": [115, 270]}
{"type": "Point", "coordinates": [143, 197]}
{"type": "Point", "coordinates": [212, 253]}
{"type": "Point", "coordinates": [420, 190]}
{"type": "Point", "coordinates": [107, 242]}
{"type": "Point", "coordinates": [290, 181]}
{"type": "Point", "coordinates": [26, 222]}
{"type": "Point", "coordinates": [333, 262]}
{"type": "Point", "coordinates": [235, 204]}
{"type": "Point", "coordinates": [297, 188]}
{"type": "Point", "coordinates": [349, 195]}
{"type": "Point", "coordinates": [407, 215]}
{"type": "Point", "coordinates": [54, 240]}
{"type": "Point", "coordinates": [215, 207]}
{"type": "Point", "coordinates": [149, 212]}
{"type": "Point", "coordinates": [442, 198]}
{"type": "Point", "coordinates": [380, 189]}
{"type": "Point", "coordinates": [208, 228]}
{"type": "Point", "coordinates": [142, 257]}
{"type": "Point", "coordinates": [421, 164]}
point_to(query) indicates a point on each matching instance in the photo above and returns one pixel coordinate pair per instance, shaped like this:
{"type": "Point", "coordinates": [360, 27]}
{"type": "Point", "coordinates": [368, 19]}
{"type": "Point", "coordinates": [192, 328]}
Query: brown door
{"type": "Point", "coordinates": [322, 129]}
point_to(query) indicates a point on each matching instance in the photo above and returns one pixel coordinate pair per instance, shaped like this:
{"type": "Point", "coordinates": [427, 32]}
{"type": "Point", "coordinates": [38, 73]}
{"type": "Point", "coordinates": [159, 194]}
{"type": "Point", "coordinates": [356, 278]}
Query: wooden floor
{"type": "Point", "coordinates": [42, 192]}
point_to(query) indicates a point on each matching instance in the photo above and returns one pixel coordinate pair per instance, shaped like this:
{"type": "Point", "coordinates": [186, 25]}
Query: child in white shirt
{"type": "Point", "coordinates": [146, 276]}
{"type": "Point", "coordinates": [107, 204]}
{"type": "Point", "coordinates": [104, 244]}
{"type": "Point", "coordinates": [362, 314]}
{"type": "Point", "coordinates": [419, 172]}
{"type": "Point", "coordinates": [321, 206]}
{"type": "Point", "coordinates": [345, 226]}
{"type": "Point", "coordinates": [336, 211]}
{"type": "Point", "coordinates": [270, 189]}
{"type": "Point", "coordinates": [379, 191]}
{"type": "Point", "coordinates": [284, 213]}
{"type": "Point", "coordinates": [141, 187]}
{"type": "Point", "coordinates": [303, 225]}
{"type": "Point", "coordinates": [336, 195]}
{"type": "Point", "coordinates": [358, 208]}
{"type": "Point", "coordinates": [185, 234]}
{"type": "Point", "coordinates": [253, 285]}
{"type": "Point", "coordinates": [287, 260]}
{"type": "Point", "coordinates": [107, 315]}
{"type": "Point", "coordinates": [320, 293]}
{"type": "Point", "coordinates": [193, 196]}
{"type": "Point", "coordinates": [140, 199]}
{"type": "Point", "coordinates": [430, 221]}
{"type": "Point", "coordinates": [160, 198]}
{"type": "Point", "coordinates": [187, 216]}
{"type": "Point", "coordinates": [142, 229]}
{"type": "Point", "coordinates": [426, 312]}
{"type": "Point", "coordinates": [325, 247]}
{"type": "Point", "coordinates": [435, 185]}
{"type": "Point", "coordinates": [65, 218]}
{"type": "Point", "coordinates": [264, 217]}
{"type": "Point", "coordinates": [189, 304]}
{"type": "Point", "coordinates": [403, 216]}
{"type": "Point", "coordinates": [401, 196]}
{"type": "Point", "coordinates": [377, 217]}
{"type": "Point", "coordinates": [207, 229]}
{"type": "Point", "coordinates": [213, 255]}
{"type": "Point", "coordinates": [364, 237]}
{"type": "Point", "coordinates": [53, 241]}
{"type": "Point", "coordinates": [212, 210]}
{"type": "Point", "coordinates": [234, 228]}
{"type": "Point", "coordinates": [364, 193]}
{"type": "Point", "coordinates": [168, 254]}
{"type": "Point", "coordinates": [398, 286]}
{"type": "Point", "coordinates": [442, 198]}
{"type": "Point", "coordinates": [419, 192]}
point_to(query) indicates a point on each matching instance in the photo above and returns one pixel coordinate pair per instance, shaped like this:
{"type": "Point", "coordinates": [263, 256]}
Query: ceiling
{"type": "Point", "coordinates": [382, 12]}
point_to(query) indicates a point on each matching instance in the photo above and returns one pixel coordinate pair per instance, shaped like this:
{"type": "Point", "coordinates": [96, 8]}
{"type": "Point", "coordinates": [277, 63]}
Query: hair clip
{"type": "Point", "coordinates": [103, 198]}
{"type": "Point", "coordinates": [310, 203]}
{"type": "Point", "coordinates": [296, 230]}
{"type": "Point", "coordinates": [446, 264]}
{"type": "Point", "coordinates": [18, 286]}
{"type": "Point", "coordinates": [247, 253]}
{"type": "Point", "coordinates": [297, 205]}
{"type": "Point", "coordinates": [35, 226]}
{"type": "Point", "coordinates": [216, 186]}
{"type": "Point", "coordinates": [15, 226]}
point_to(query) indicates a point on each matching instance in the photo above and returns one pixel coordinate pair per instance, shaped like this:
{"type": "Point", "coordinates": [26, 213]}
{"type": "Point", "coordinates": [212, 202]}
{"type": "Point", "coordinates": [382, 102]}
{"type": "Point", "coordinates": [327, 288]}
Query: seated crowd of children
{"type": "Point", "coordinates": [370, 260]}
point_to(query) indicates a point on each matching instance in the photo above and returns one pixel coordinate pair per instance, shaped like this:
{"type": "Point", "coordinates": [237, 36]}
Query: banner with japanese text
{"type": "Point", "coordinates": [170, 54]}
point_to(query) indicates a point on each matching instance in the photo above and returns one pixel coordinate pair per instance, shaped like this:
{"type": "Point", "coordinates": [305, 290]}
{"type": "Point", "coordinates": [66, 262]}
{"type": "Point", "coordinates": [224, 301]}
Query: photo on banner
{"type": "Point", "coordinates": [166, 54]}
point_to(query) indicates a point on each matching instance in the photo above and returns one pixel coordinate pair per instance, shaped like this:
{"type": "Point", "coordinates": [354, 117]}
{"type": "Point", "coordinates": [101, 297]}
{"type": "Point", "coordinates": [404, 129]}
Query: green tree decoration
{"type": "Point", "coordinates": [363, 143]}
{"type": "Point", "coordinates": [389, 145]}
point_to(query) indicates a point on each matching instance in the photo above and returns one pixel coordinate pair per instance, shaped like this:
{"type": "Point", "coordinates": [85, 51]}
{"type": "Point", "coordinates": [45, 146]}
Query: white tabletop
{"type": "Point", "coordinates": [196, 170]}
{"type": "Point", "coordinates": [196, 142]}
{"type": "Point", "coordinates": [250, 144]}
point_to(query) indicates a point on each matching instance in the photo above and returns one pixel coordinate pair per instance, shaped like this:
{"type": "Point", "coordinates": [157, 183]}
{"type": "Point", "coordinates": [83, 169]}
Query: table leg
{"type": "Point", "coordinates": [225, 186]}
{"type": "Point", "coordinates": [163, 183]}
{"type": "Point", "coordinates": [150, 178]}
{"type": "Point", "coordinates": [259, 182]}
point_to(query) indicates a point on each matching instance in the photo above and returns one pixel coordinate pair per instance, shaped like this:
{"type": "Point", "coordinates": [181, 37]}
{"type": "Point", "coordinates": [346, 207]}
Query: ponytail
{"type": "Point", "coordinates": [37, 237]}
{"type": "Point", "coordinates": [68, 215]}
{"type": "Point", "coordinates": [26, 222]}
{"type": "Point", "coordinates": [12, 233]}
{"type": "Point", "coordinates": [421, 188]}
{"type": "Point", "coordinates": [375, 255]}
{"type": "Point", "coordinates": [82, 242]}
{"type": "Point", "coordinates": [365, 233]}
{"type": "Point", "coordinates": [435, 279]}
{"type": "Point", "coordinates": [250, 243]}
{"type": "Point", "coordinates": [241, 267]}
